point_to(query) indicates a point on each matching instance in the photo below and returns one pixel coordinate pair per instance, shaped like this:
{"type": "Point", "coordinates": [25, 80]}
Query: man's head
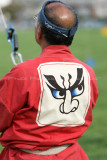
{"type": "Point", "coordinates": [57, 24]}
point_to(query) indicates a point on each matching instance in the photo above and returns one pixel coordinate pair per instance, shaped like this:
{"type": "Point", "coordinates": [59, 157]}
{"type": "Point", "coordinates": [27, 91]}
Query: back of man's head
{"type": "Point", "coordinates": [61, 15]}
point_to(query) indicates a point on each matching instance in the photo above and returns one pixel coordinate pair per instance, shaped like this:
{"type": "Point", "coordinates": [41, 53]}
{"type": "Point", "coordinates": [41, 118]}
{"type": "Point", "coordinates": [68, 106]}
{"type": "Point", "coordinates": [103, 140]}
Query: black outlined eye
{"type": "Point", "coordinates": [56, 90]}
{"type": "Point", "coordinates": [79, 90]}
{"type": "Point", "coordinates": [58, 94]}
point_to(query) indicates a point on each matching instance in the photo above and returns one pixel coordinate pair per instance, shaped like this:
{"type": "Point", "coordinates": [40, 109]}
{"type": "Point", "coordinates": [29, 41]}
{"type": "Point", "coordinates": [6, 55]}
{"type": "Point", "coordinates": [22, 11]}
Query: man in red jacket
{"type": "Point", "coordinates": [46, 103]}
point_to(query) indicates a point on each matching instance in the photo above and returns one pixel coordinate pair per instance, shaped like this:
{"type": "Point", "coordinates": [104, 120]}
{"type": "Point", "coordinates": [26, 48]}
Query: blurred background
{"type": "Point", "coordinates": [90, 46]}
{"type": "Point", "coordinates": [21, 12]}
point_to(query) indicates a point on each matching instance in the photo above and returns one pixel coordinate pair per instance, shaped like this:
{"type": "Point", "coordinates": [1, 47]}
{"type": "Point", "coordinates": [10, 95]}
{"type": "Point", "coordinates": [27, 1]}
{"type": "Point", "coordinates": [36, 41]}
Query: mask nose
{"type": "Point", "coordinates": [69, 105]}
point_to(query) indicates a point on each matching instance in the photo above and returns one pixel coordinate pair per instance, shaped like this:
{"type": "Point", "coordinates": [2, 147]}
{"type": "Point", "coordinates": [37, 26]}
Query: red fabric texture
{"type": "Point", "coordinates": [20, 93]}
{"type": "Point", "coordinates": [74, 152]}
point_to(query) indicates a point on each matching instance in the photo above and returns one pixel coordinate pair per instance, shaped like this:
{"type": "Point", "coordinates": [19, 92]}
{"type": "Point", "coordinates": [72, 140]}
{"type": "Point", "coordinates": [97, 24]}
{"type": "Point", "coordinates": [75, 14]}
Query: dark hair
{"type": "Point", "coordinates": [52, 38]}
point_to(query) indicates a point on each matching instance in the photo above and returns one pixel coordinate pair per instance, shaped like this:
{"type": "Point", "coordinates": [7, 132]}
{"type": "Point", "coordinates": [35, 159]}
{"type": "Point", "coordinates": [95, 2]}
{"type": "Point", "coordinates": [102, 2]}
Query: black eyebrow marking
{"type": "Point", "coordinates": [53, 82]}
{"type": "Point", "coordinates": [79, 76]}
{"type": "Point", "coordinates": [63, 80]}
{"type": "Point", "coordinates": [69, 79]}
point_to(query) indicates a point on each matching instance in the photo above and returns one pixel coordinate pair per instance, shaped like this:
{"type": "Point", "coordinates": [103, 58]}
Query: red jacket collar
{"type": "Point", "coordinates": [54, 50]}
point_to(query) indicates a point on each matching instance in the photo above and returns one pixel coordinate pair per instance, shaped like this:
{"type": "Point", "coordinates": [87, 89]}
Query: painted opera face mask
{"type": "Point", "coordinates": [65, 94]}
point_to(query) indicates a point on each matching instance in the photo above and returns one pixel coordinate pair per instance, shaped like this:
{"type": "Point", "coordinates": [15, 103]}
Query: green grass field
{"type": "Point", "coordinates": [87, 43]}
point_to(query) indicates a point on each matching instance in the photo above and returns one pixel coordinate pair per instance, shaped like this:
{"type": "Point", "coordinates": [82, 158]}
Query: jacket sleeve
{"type": "Point", "coordinates": [12, 96]}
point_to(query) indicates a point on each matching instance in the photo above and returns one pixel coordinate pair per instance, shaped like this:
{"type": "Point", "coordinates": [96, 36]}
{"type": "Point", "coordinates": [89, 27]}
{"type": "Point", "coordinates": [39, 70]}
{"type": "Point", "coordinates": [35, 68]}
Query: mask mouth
{"type": "Point", "coordinates": [52, 27]}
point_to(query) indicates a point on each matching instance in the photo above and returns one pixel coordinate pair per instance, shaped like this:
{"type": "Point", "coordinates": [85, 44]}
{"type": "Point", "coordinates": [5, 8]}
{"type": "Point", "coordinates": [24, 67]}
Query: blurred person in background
{"type": "Point", "coordinates": [46, 103]}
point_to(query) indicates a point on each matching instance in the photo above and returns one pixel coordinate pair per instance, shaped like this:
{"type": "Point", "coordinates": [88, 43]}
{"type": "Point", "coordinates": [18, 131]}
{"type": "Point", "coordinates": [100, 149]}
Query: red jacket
{"type": "Point", "coordinates": [47, 101]}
